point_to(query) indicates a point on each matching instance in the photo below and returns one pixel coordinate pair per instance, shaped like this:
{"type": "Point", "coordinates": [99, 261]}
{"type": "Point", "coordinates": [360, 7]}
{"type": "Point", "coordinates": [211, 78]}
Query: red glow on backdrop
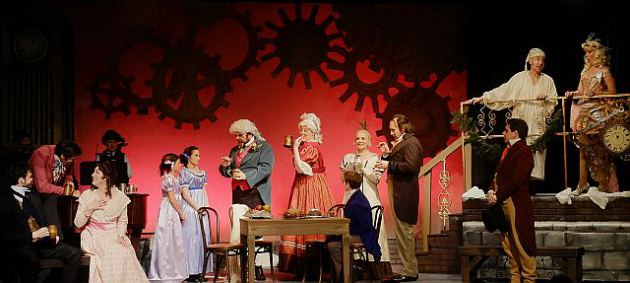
{"type": "Point", "coordinates": [274, 107]}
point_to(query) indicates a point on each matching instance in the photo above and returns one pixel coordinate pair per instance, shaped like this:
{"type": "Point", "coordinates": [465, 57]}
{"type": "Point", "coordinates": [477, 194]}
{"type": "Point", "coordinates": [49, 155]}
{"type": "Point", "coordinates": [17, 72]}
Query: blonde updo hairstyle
{"type": "Point", "coordinates": [601, 57]}
{"type": "Point", "coordinates": [369, 137]}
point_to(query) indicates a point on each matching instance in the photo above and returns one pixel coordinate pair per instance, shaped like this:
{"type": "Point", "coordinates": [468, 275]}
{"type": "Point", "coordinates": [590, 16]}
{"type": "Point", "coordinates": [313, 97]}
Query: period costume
{"type": "Point", "coordinates": [255, 159]}
{"type": "Point", "coordinates": [359, 210]}
{"type": "Point", "coordinates": [110, 261]}
{"type": "Point", "coordinates": [193, 243]}
{"type": "Point", "coordinates": [117, 155]}
{"type": "Point", "coordinates": [585, 115]}
{"type": "Point", "coordinates": [511, 184]}
{"type": "Point", "coordinates": [369, 188]}
{"type": "Point", "coordinates": [308, 192]}
{"type": "Point", "coordinates": [405, 161]}
{"type": "Point", "coordinates": [49, 176]}
{"type": "Point", "coordinates": [168, 258]}
{"type": "Point", "coordinates": [535, 113]}
{"type": "Point", "coordinates": [17, 215]}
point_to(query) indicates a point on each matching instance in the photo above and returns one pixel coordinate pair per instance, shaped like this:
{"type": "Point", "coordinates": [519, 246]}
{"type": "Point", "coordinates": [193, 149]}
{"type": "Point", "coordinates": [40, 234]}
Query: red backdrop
{"type": "Point", "coordinates": [274, 107]}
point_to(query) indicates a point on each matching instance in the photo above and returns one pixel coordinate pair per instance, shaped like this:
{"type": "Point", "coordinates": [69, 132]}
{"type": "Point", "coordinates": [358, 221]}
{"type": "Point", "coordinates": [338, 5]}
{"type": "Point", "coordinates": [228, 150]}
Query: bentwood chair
{"type": "Point", "coordinates": [221, 249]}
{"type": "Point", "coordinates": [359, 249]}
{"type": "Point", "coordinates": [334, 211]}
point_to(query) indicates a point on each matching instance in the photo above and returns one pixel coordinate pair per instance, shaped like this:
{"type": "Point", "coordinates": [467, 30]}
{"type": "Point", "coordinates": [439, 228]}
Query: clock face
{"type": "Point", "coordinates": [617, 138]}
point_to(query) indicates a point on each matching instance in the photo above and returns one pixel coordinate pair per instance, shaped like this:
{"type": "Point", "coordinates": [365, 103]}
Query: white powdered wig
{"type": "Point", "coordinates": [246, 126]}
{"type": "Point", "coordinates": [311, 121]}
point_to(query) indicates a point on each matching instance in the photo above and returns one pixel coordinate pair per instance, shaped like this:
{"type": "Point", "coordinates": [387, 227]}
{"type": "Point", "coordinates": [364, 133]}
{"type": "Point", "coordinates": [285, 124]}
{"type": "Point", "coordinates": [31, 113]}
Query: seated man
{"type": "Point", "coordinates": [24, 230]}
{"type": "Point", "coordinates": [362, 229]}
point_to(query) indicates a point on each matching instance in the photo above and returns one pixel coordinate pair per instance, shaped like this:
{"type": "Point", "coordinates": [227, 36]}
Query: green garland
{"type": "Point", "coordinates": [555, 126]}
{"type": "Point", "coordinates": [480, 146]}
{"type": "Point", "coordinates": [493, 151]}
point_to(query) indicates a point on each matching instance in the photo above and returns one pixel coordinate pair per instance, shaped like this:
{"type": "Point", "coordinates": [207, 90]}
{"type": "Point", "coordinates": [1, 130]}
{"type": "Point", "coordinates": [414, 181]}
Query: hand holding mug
{"type": "Point", "coordinates": [296, 143]}
{"type": "Point", "coordinates": [382, 165]}
{"type": "Point", "coordinates": [41, 233]}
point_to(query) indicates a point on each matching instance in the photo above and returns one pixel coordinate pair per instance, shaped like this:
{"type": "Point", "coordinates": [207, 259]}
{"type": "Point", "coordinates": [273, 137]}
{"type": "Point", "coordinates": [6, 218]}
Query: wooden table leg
{"type": "Point", "coordinates": [345, 243]}
{"type": "Point", "coordinates": [243, 257]}
{"type": "Point", "coordinates": [135, 240]}
{"type": "Point", "coordinates": [465, 269]}
{"type": "Point", "coordinates": [251, 256]}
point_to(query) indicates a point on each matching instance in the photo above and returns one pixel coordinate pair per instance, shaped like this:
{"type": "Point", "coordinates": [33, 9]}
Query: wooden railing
{"type": "Point", "coordinates": [426, 171]}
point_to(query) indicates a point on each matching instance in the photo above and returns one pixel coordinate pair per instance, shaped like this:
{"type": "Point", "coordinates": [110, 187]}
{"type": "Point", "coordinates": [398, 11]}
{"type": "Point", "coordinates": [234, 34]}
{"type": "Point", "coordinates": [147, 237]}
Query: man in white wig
{"type": "Point", "coordinates": [528, 84]}
{"type": "Point", "coordinates": [249, 165]}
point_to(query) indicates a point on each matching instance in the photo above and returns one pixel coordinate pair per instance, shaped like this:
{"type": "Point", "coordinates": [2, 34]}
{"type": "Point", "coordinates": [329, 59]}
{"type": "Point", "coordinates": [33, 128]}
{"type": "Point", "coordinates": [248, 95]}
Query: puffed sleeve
{"type": "Point", "coordinates": [308, 157]}
{"type": "Point", "coordinates": [185, 178]}
{"type": "Point", "coordinates": [168, 183]}
{"type": "Point", "coordinates": [81, 217]}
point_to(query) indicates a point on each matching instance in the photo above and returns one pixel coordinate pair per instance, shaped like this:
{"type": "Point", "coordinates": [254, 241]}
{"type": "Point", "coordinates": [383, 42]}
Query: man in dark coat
{"type": "Point", "coordinates": [511, 186]}
{"type": "Point", "coordinates": [403, 164]}
{"type": "Point", "coordinates": [24, 234]}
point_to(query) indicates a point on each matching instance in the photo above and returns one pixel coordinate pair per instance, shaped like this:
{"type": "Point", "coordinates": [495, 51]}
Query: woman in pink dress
{"type": "Point", "coordinates": [586, 114]}
{"type": "Point", "coordinates": [310, 189]}
{"type": "Point", "coordinates": [102, 217]}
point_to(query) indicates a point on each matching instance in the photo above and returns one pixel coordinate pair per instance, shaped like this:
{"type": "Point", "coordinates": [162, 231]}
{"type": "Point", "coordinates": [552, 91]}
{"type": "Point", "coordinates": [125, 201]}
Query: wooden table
{"type": "Point", "coordinates": [280, 227]}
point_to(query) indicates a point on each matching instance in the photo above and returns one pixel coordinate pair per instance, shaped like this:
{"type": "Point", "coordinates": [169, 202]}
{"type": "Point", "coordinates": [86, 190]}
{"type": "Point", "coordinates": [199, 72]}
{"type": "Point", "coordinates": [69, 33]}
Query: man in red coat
{"type": "Point", "coordinates": [53, 168]}
{"type": "Point", "coordinates": [511, 186]}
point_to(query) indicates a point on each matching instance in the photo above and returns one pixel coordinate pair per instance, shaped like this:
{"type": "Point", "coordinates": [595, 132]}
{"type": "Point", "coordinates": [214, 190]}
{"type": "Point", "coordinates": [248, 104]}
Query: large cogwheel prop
{"type": "Point", "coordinates": [357, 86]}
{"type": "Point", "coordinates": [115, 89]}
{"type": "Point", "coordinates": [191, 70]}
{"type": "Point", "coordinates": [209, 14]}
{"type": "Point", "coordinates": [428, 112]}
{"type": "Point", "coordinates": [302, 45]}
{"type": "Point", "coordinates": [145, 36]}
{"type": "Point", "coordinates": [253, 43]}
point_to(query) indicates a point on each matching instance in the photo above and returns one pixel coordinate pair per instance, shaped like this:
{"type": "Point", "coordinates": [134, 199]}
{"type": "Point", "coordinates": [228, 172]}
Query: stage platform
{"type": "Point", "coordinates": [604, 234]}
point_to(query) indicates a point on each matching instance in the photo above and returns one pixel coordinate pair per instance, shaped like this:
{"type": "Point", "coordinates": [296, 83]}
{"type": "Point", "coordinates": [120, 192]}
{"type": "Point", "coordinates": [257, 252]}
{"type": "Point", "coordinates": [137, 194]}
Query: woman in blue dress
{"type": "Point", "coordinates": [193, 182]}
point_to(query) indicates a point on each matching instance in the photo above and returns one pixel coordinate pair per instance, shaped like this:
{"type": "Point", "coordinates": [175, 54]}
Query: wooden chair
{"type": "Point", "coordinates": [336, 211]}
{"type": "Point", "coordinates": [221, 249]}
{"type": "Point", "coordinates": [264, 246]}
{"type": "Point", "coordinates": [359, 249]}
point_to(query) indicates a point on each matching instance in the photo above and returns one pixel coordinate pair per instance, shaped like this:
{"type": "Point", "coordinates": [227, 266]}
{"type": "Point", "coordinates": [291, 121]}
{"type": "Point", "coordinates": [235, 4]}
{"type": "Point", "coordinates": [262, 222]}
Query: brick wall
{"type": "Point", "coordinates": [443, 256]}
{"type": "Point", "coordinates": [547, 208]}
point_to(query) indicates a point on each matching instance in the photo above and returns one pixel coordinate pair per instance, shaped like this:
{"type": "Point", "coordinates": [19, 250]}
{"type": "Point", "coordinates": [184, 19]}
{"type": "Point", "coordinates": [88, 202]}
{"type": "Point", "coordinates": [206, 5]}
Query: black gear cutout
{"type": "Point", "coordinates": [302, 45]}
{"type": "Point", "coordinates": [428, 112]}
{"type": "Point", "coordinates": [356, 85]}
{"type": "Point", "coordinates": [119, 88]}
{"type": "Point", "coordinates": [146, 35]}
{"type": "Point", "coordinates": [253, 44]}
{"type": "Point", "coordinates": [428, 38]}
{"type": "Point", "coordinates": [186, 65]}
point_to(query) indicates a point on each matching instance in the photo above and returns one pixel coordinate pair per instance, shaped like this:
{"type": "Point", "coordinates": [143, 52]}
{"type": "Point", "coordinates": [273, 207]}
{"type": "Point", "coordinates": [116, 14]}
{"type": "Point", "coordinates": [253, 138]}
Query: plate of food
{"type": "Point", "coordinates": [259, 212]}
{"type": "Point", "coordinates": [314, 213]}
{"type": "Point", "coordinates": [293, 214]}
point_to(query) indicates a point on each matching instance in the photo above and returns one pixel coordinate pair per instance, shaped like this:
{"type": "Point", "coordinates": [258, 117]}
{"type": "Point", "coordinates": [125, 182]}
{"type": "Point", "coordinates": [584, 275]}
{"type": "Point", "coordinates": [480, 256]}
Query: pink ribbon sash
{"type": "Point", "coordinates": [103, 226]}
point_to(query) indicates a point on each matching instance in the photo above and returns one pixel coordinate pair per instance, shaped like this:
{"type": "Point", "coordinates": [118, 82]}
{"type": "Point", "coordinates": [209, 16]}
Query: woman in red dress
{"type": "Point", "coordinates": [310, 189]}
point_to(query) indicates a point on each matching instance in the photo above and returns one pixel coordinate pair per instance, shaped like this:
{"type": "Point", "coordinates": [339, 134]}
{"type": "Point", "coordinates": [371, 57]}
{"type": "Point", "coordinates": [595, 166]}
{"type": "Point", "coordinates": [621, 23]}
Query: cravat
{"type": "Point", "coordinates": [505, 151]}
